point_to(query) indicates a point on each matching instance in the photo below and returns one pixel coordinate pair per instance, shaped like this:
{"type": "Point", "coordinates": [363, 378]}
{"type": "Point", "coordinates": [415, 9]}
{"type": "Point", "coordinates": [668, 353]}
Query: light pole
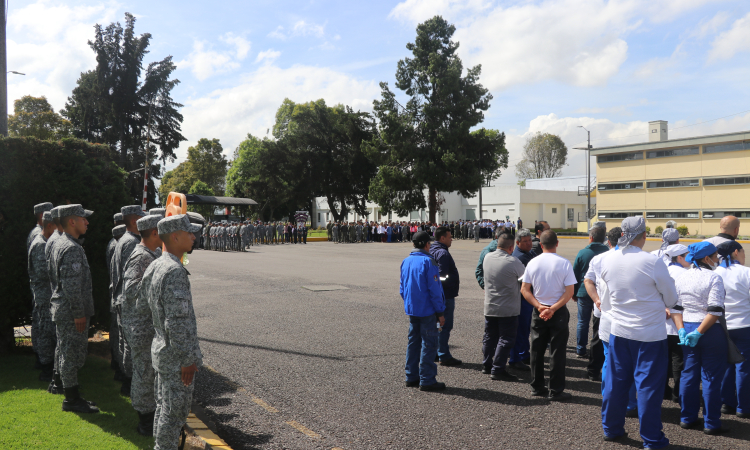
{"type": "Point", "coordinates": [588, 176]}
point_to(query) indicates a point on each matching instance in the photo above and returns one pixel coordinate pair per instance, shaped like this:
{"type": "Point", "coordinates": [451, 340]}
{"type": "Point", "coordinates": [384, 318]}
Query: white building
{"type": "Point", "coordinates": [555, 200]}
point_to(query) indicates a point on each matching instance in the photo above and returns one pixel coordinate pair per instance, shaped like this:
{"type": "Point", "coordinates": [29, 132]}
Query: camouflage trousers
{"type": "Point", "coordinates": [125, 360]}
{"type": "Point", "coordinates": [114, 336]}
{"type": "Point", "coordinates": [46, 339]}
{"type": "Point", "coordinates": [72, 348]}
{"type": "Point", "coordinates": [34, 325]}
{"type": "Point", "coordinates": [139, 332]}
{"type": "Point", "coordinates": [173, 401]}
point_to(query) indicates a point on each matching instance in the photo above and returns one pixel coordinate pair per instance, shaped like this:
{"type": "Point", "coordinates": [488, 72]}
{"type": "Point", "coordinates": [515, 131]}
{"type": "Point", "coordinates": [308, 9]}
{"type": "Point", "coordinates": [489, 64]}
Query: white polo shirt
{"type": "Point", "coordinates": [549, 274]}
{"type": "Point", "coordinates": [674, 272]}
{"type": "Point", "coordinates": [737, 300]}
{"type": "Point", "coordinates": [594, 274]}
{"type": "Point", "coordinates": [640, 289]}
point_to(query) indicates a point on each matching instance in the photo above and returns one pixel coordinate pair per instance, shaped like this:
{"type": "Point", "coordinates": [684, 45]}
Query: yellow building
{"type": "Point", "coordinates": [693, 181]}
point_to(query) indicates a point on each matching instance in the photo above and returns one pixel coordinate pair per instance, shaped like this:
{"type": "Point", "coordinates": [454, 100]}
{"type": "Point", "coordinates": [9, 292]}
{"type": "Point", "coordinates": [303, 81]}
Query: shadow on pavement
{"type": "Point", "coordinates": [271, 349]}
{"type": "Point", "coordinates": [486, 395]}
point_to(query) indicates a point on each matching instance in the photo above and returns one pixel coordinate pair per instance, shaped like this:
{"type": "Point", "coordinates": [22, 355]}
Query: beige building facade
{"type": "Point", "coordinates": [693, 181]}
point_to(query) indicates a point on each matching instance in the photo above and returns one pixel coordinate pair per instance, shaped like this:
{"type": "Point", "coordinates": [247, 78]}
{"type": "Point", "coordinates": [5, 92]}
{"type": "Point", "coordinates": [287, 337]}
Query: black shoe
{"type": "Point", "coordinates": [527, 362]}
{"type": "Point", "coordinates": [412, 383]}
{"type": "Point", "coordinates": [432, 387]}
{"type": "Point", "coordinates": [518, 365]}
{"type": "Point", "coordinates": [55, 386]}
{"type": "Point", "coordinates": [595, 377]}
{"type": "Point", "coordinates": [728, 410]}
{"type": "Point", "coordinates": [146, 424]}
{"type": "Point", "coordinates": [667, 393]}
{"type": "Point", "coordinates": [125, 388]}
{"type": "Point", "coordinates": [615, 438]}
{"type": "Point", "coordinates": [487, 370]}
{"type": "Point", "coordinates": [631, 413]}
{"type": "Point", "coordinates": [743, 415]}
{"type": "Point", "coordinates": [451, 362]}
{"type": "Point", "coordinates": [47, 372]}
{"type": "Point", "coordinates": [716, 431]}
{"type": "Point", "coordinates": [437, 359]}
{"type": "Point", "coordinates": [692, 425]}
{"type": "Point", "coordinates": [539, 393]}
{"type": "Point", "coordinates": [503, 376]}
{"type": "Point", "coordinates": [562, 396]}
{"type": "Point", "coordinates": [582, 355]}
{"type": "Point", "coordinates": [74, 403]}
{"type": "Point", "coordinates": [676, 398]}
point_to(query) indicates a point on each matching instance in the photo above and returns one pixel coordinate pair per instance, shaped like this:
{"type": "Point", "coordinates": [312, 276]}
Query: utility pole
{"type": "Point", "coordinates": [480, 198]}
{"type": "Point", "coordinates": [588, 176]}
{"type": "Point", "coordinates": [4, 75]}
{"type": "Point", "coordinates": [145, 167]}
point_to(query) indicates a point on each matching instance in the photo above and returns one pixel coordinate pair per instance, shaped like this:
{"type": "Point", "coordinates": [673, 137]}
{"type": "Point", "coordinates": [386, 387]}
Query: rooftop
{"type": "Point", "coordinates": [674, 143]}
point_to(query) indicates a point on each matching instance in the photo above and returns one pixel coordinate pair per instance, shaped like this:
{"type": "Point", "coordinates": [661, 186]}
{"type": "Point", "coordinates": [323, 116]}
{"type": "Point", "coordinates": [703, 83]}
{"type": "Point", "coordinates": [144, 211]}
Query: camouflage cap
{"type": "Point", "coordinates": [73, 210]}
{"type": "Point", "coordinates": [47, 216]}
{"type": "Point", "coordinates": [53, 212]}
{"type": "Point", "coordinates": [177, 223]}
{"type": "Point", "coordinates": [132, 210]}
{"type": "Point", "coordinates": [117, 217]}
{"type": "Point", "coordinates": [118, 231]}
{"type": "Point", "coordinates": [42, 207]}
{"type": "Point", "coordinates": [157, 212]}
{"type": "Point", "coordinates": [148, 222]}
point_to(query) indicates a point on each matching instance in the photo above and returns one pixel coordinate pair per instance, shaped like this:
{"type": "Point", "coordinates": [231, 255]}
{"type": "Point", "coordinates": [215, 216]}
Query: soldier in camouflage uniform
{"type": "Point", "coordinates": [117, 233]}
{"type": "Point", "coordinates": [335, 232]}
{"type": "Point", "coordinates": [352, 233]}
{"type": "Point", "coordinates": [175, 353]}
{"type": "Point", "coordinates": [124, 248]}
{"type": "Point", "coordinates": [137, 323]}
{"type": "Point", "coordinates": [55, 386]}
{"type": "Point", "coordinates": [157, 212]}
{"type": "Point", "coordinates": [72, 303]}
{"type": "Point", "coordinates": [42, 329]}
{"type": "Point", "coordinates": [39, 210]}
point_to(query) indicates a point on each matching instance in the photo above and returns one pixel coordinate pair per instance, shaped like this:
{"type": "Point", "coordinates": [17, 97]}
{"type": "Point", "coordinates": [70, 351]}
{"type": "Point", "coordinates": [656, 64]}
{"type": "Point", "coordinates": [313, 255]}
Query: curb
{"type": "Point", "coordinates": [209, 438]}
{"type": "Point", "coordinates": [682, 239]}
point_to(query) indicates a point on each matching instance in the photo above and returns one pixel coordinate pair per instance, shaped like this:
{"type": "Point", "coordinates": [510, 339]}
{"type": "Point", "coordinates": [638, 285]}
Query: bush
{"type": "Point", "coordinates": [62, 172]}
{"type": "Point", "coordinates": [683, 230]}
{"type": "Point", "coordinates": [659, 230]}
{"type": "Point", "coordinates": [648, 230]}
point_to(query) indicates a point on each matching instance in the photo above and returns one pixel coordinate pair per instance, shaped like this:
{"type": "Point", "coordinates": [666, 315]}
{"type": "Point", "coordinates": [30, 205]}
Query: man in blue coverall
{"type": "Point", "coordinates": [424, 303]}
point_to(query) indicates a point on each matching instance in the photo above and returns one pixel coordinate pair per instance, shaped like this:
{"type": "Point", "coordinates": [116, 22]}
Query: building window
{"type": "Point", "coordinates": [620, 157]}
{"type": "Point", "coordinates": [672, 215]}
{"type": "Point", "coordinates": [618, 215]}
{"type": "Point", "coordinates": [672, 183]}
{"type": "Point", "coordinates": [720, 214]}
{"type": "Point", "coordinates": [673, 152]}
{"type": "Point", "coordinates": [571, 213]}
{"type": "Point", "coordinates": [554, 210]}
{"type": "Point", "coordinates": [620, 186]}
{"type": "Point", "coordinates": [318, 217]}
{"type": "Point", "coordinates": [723, 181]}
{"type": "Point", "coordinates": [726, 147]}
{"type": "Point", "coordinates": [494, 210]}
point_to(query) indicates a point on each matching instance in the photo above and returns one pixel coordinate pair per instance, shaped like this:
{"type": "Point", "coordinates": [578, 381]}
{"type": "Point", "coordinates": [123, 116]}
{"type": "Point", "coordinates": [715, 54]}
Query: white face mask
{"type": "Point", "coordinates": [712, 265]}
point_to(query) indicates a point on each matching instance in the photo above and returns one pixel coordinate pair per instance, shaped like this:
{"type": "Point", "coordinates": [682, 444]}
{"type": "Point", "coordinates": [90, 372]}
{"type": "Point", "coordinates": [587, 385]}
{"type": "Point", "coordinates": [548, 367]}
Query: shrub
{"type": "Point", "coordinates": [648, 230]}
{"type": "Point", "coordinates": [659, 230]}
{"type": "Point", "coordinates": [683, 230]}
{"type": "Point", "coordinates": [62, 172]}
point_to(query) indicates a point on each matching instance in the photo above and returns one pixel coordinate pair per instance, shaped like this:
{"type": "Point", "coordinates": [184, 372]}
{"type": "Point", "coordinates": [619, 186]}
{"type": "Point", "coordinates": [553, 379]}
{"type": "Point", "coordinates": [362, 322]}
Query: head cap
{"type": "Point", "coordinates": [54, 211]}
{"type": "Point", "coordinates": [676, 250]}
{"type": "Point", "coordinates": [177, 223]}
{"type": "Point", "coordinates": [598, 225]}
{"type": "Point", "coordinates": [669, 236]}
{"type": "Point", "coordinates": [46, 216]}
{"type": "Point", "coordinates": [132, 210]}
{"type": "Point", "coordinates": [42, 207]}
{"type": "Point", "coordinates": [698, 251]}
{"type": "Point", "coordinates": [117, 217]}
{"type": "Point", "coordinates": [148, 222]}
{"type": "Point", "coordinates": [73, 210]}
{"type": "Point", "coordinates": [632, 227]}
{"type": "Point", "coordinates": [726, 249]}
{"type": "Point", "coordinates": [118, 231]}
{"type": "Point", "coordinates": [157, 212]}
{"type": "Point", "coordinates": [420, 239]}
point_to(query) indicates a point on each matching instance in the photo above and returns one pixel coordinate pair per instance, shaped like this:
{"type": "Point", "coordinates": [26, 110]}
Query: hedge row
{"type": "Point", "coordinates": [62, 172]}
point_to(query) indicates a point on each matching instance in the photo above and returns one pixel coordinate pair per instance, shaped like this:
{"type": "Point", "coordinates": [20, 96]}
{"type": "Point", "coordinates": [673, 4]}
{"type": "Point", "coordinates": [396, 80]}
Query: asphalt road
{"type": "Point", "coordinates": [296, 369]}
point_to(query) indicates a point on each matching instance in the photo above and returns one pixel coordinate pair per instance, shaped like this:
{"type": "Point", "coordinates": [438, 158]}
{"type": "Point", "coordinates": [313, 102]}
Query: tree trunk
{"type": "Point", "coordinates": [432, 204]}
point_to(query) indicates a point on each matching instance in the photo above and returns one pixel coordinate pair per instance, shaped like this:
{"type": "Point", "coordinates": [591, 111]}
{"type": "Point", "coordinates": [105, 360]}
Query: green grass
{"type": "Point", "coordinates": [32, 418]}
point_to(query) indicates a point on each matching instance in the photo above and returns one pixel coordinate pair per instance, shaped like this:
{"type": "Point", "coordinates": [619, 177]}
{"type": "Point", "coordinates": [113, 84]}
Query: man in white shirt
{"type": "Point", "coordinates": [640, 288]}
{"type": "Point", "coordinates": [729, 229]}
{"type": "Point", "coordinates": [548, 285]}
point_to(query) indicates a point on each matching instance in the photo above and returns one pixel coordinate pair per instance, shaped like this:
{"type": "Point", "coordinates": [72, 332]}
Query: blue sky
{"type": "Point", "coordinates": [550, 65]}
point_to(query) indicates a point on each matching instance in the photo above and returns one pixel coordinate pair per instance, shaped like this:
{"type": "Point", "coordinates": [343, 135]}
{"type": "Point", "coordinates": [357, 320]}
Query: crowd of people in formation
{"type": "Point", "coordinates": [679, 312]}
{"type": "Point", "coordinates": [153, 332]}
{"type": "Point", "coordinates": [239, 236]}
{"type": "Point", "coordinates": [363, 231]}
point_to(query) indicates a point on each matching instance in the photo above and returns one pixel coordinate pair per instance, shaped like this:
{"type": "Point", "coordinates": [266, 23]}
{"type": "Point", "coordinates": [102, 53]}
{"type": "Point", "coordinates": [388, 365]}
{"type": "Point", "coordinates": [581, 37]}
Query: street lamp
{"type": "Point", "coordinates": [588, 176]}
{"type": "Point", "coordinates": [17, 73]}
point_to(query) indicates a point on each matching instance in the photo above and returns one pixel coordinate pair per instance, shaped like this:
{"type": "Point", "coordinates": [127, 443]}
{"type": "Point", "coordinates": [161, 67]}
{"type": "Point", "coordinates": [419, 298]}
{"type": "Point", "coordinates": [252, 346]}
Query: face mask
{"type": "Point", "coordinates": [712, 265]}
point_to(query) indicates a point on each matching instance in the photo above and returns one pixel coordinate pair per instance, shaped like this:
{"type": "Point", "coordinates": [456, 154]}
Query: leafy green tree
{"type": "Point", "coordinates": [112, 105]}
{"type": "Point", "coordinates": [209, 164]}
{"type": "Point", "coordinates": [427, 145]}
{"type": "Point", "coordinates": [201, 188]}
{"type": "Point", "coordinates": [34, 117]}
{"type": "Point", "coordinates": [544, 156]}
{"type": "Point", "coordinates": [180, 179]}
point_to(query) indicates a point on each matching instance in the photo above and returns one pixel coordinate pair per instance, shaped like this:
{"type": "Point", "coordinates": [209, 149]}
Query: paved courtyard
{"type": "Point", "coordinates": [294, 368]}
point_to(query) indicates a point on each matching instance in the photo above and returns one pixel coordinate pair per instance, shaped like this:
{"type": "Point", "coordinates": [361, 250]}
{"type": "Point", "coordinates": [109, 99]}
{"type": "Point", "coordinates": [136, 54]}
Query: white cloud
{"type": "Point", "coordinates": [48, 42]}
{"type": "Point", "coordinates": [731, 42]}
{"type": "Point", "coordinates": [711, 26]}
{"type": "Point", "coordinates": [250, 106]}
{"type": "Point", "coordinates": [205, 62]}
{"type": "Point", "coordinates": [268, 56]}
{"type": "Point", "coordinates": [300, 28]}
{"type": "Point", "coordinates": [578, 42]}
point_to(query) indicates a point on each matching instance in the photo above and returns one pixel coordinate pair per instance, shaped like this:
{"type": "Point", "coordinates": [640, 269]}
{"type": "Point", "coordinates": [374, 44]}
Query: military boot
{"type": "Point", "coordinates": [55, 386]}
{"type": "Point", "coordinates": [74, 403]}
{"type": "Point", "coordinates": [46, 374]}
{"type": "Point", "coordinates": [125, 388]}
{"type": "Point", "coordinates": [146, 424]}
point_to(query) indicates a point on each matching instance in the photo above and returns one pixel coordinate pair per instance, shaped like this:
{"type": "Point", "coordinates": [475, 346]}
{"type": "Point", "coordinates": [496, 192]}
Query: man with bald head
{"type": "Point", "coordinates": [729, 228]}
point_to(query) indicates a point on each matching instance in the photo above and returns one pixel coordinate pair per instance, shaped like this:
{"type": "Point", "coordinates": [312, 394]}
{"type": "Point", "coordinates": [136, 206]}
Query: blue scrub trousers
{"type": "Point", "coordinates": [585, 309]}
{"type": "Point", "coordinates": [444, 352]}
{"type": "Point", "coordinates": [421, 350]}
{"type": "Point", "coordinates": [521, 351]}
{"type": "Point", "coordinates": [642, 362]}
{"type": "Point", "coordinates": [735, 389]}
{"type": "Point", "coordinates": [632, 395]}
{"type": "Point", "coordinates": [706, 362]}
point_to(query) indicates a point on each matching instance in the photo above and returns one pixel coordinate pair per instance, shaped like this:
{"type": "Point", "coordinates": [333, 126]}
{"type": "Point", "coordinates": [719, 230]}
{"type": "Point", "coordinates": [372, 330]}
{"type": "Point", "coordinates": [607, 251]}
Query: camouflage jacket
{"type": "Point", "coordinates": [71, 280]}
{"type": "Point", "coordinates": [38, 275]}
{"type": "Point", "coordinates": [124, 248]}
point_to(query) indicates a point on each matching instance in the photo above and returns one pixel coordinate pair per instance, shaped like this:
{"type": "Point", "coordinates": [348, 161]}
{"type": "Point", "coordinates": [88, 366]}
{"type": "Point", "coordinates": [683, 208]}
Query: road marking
{"type": "Point", "coordinates": [304, 429]}
{"type": "Point", "coordinates": [263, 404]}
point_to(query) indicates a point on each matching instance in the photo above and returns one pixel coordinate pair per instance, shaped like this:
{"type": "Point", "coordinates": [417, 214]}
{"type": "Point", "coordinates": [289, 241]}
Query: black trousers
{"type": "Point", "coordinates": [675, 363]}
{"type": "Point", "coordinates": [554, 332]}
{"type": "Point", "coordinates": [596, 350]}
